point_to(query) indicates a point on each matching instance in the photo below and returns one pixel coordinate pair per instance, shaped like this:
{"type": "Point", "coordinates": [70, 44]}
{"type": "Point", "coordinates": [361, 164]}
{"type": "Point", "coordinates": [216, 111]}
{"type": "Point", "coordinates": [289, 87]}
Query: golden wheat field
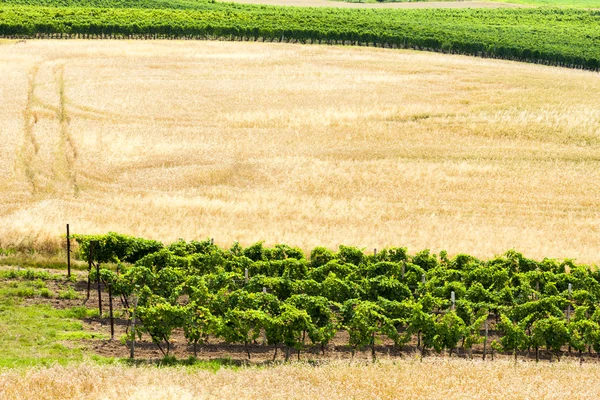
{"type": "Point", "coordinates": [307, 145]}
{"type": "Point", "coordinates": [406, 379]}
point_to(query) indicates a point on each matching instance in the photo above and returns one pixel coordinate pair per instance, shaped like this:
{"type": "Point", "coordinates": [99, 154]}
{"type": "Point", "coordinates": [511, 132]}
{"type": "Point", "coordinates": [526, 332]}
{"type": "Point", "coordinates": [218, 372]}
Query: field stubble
{"type": "Point", "coordinates": [407, 379]}
{"type": "Point", "coordinates": [308, 145]}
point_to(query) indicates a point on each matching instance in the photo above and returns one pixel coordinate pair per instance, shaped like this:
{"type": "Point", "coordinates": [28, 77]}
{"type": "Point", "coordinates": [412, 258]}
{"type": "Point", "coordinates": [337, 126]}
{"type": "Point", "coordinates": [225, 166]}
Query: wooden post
{"type": "Point", "coordinates": [453, 300]}
{"type": "Point", "coordinates": [99, 289]}
{"type": "Point", "coordinates": [264, 289]}
{"type": "Point", "coordinates": [485, 340]}
{"type": "Point", "coordinates": [110, 308]}
{"type": "Point", "coordinates": [423, 278]}
{"type": "Point", "coordinates": [569, 303]}
{"type": "Point", "coordinates": [375, 252]}
{"type": "Point", "coordinates": [90, 252]}
{"type": "Point", "coordinates": [403, 268]}
{"type": "Point", "coordinates": [132, 350]}
{"type": "Point", "coordinates": [246, 275]}
{"type": "Point", "coordinates": [569, 309]}
{"type": "Point", "coordinates": [68, 253]}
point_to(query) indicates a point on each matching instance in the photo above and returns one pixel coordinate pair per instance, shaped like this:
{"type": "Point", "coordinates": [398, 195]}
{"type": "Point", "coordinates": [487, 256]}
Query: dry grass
{"type": "Point", "coordinates": [431, 379]}
{"type": "Point", "coordinates": [308, 145]}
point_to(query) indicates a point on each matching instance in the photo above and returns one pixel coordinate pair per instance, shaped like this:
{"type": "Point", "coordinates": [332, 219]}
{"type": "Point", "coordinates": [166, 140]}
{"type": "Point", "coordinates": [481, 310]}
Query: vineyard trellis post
{"type": "Point", "coordinates": [132, 350]}
{"type": "Point", "coordinates": [99, 289]}
{"type": "Point", "coordinates": [403, 268]}
{"type": "Point", "coordinates": [110, 308]}
{"type": "Point", "coordinates": [90, 257]}
{"type": "Point", "coordinates": [485, 340]}
{"type": "Point", "coordinates": [569, 309]}
{"type": "Point", "coordinates": [68, 253]}
{"type": "Point", "coordinates": [569, 303]}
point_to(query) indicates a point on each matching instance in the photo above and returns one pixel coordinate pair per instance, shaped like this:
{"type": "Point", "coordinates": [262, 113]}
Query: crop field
{"type": "Point", "coordinates": [384, 4]}
{"type": "Point", "coordinates": [339, 199]}
{"type": "Point", "coordinates": [435, 4]}
{"type": "Point", "coordinates": [306, 145]}
{"type": "Point", "coordinates": [550, 36]}
{"type": "Point", "coordinates": [453, 379]}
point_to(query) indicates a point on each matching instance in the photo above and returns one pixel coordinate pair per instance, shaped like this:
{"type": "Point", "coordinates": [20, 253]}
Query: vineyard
{"type": "Point", "coordinates": [563, 37]}
{"type": "Point", "coordinates": [427, 302]}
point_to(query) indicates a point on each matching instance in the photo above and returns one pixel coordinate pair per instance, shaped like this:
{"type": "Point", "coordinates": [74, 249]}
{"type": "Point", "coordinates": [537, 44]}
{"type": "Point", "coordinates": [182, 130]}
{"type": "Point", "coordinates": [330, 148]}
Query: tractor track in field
{"type": "Point", "coordinates": [45, 163]}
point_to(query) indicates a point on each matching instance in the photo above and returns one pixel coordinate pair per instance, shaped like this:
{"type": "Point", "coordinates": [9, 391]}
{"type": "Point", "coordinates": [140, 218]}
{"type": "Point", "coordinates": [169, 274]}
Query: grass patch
{"type": "Point", "coordinates": [81, 335]}
{"type": "Point", "coordinates": [35, 335]}
{"type": "Point", "coordinates": [38, 261]}
{"type": "Point", "coordinates": [190, 363]}
{"type": "Point", "coordinates": [69, 294]}
{"type": "Point", "coordinates": [23, 289]}
{"type": "Point", "coordinates": [28, 274]}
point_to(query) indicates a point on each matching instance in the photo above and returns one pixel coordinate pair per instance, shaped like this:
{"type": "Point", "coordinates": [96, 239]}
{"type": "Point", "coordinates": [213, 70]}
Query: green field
{"type": "Point", "coordinates": [556, 3]}
{"type": "Point", "coordinates": [564, 37]}
{"type": "Point", "coordinates": [540, 3]}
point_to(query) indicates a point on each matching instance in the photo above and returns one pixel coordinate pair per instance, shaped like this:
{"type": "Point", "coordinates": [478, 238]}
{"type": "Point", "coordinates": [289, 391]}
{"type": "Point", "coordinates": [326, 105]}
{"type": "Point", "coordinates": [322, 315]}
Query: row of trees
{"type": "Point", "coordinates": [558, 37]}
{"type": "Point", "coordinates": [441, 303]}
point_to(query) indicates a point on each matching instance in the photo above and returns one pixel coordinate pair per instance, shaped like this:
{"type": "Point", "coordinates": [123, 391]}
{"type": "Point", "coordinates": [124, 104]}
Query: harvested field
{"type": "Point", "coordinates": [407, 379]}
{"type": "Point", "coordinates": [308, 145]}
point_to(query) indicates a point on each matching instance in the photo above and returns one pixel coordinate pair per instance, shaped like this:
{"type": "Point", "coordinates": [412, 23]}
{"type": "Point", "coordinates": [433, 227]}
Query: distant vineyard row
{"type": "Point", "coordinates": [239, 293]}
{"type": "Point", "coordinates": [550, 36]}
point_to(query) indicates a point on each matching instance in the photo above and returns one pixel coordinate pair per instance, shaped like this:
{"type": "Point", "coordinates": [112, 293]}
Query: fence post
{"type": "Point", "coordinates": [374, 252]}
{"type": "Point", "coordinates": [99, 289]}
{"type": "Point", "coordinates": [68, 253]}
{"type": "Point", "coordinates": [403, 267]}
{"type": "Point", "coordinates": [485, 339]}
{"type": "Point", "coordinates": [453, 300]}
{"type": "Point", "coordinates": [246, 275]}
{"type": "Point", "coordinates": [569, 304]}
{"type": "Point", "coordinates": [132, 350]}
{"type": "Point", "coordinates": [90, 253]}
{"type": "Point", "coordinates": [110, 308]}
